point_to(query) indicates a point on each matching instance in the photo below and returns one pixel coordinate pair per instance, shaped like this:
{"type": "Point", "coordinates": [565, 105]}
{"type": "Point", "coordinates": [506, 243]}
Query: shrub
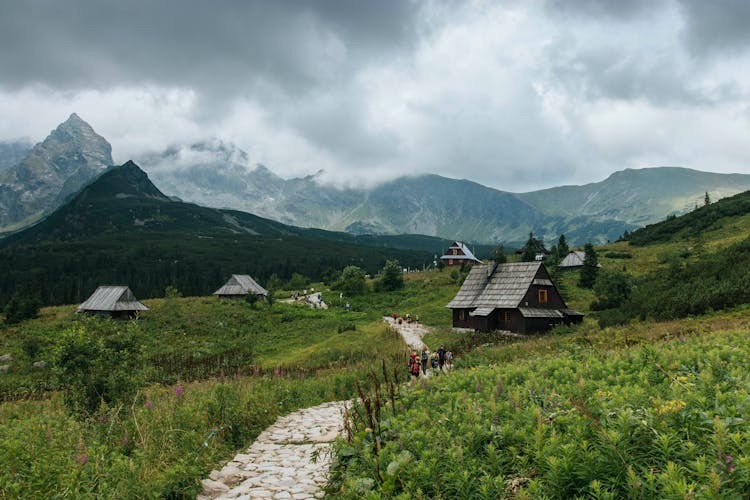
{"type": "Point", "coordinates": [21, 307]}
{"type": "Point", "coordinates": [99, 363]}
{"type": "Point", "coordinates": [393, 278]}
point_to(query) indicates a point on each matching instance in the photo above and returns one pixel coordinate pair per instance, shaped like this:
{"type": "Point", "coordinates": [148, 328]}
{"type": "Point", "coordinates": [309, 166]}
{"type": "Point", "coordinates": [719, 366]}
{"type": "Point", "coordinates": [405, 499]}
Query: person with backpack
{"type": "Point", "coordinates": [434, 360]}
{"type": "Point", "coordinates": [441, 357]}
{"type": "Point", "coordinates": [449, 359]}
{"type": "Point", "coordinates": [425, 358]}
{"type": "Point", "coordinates": [414, 364]}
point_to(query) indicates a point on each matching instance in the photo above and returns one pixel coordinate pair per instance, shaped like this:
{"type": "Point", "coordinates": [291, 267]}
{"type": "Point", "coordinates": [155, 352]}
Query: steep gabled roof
{"type": "Point", "coordinates": [112, 298]}
{"type": "Point", "coordinates": [495, 286]}
{"type": "Point", "coordinates": [573, 259]}
{"type": "Point", "coordinates": [241, 284]}
{"type": "Point", "coordinates": [462, 247]}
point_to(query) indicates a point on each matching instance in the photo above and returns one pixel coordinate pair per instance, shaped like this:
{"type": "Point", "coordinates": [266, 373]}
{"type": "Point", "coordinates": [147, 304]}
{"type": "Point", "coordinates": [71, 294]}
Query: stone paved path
{"type": "Point", "coordinates": [290, 459]}
{"type": "Point", "coordinates": [411, 332]}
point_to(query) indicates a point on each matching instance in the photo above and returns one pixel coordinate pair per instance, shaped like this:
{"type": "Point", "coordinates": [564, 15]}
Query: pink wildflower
{"type": "Point", "coordinates": [149, 404]}
{"type": "Point", "coordinates": [728, 459]}
{"type": "Point", "coordinates": [179, 391]}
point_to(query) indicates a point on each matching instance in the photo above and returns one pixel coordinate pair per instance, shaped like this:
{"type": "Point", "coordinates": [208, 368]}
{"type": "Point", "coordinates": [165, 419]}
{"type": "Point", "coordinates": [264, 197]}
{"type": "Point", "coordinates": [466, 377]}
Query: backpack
{"type": "Point", "coordinates": [415, 367]}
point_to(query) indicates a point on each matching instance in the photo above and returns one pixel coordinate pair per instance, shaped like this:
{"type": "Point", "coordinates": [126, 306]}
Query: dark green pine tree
{"type": "Point", "coordinates": [529, 250]}
{"type": "Point", "coordinates": [590, 267]}
{"type": "Point", "coordinates": [706, 199]}
{"type": "Point", "coordinates": [562, 247]}
{"type": "Point", "coordinates": [499, 256]}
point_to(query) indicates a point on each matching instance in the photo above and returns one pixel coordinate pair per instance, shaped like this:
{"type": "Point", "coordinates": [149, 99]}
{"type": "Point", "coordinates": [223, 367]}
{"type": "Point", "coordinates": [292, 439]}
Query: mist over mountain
{"type": "Point", "coordinates": [218, 174]}
{"type": "Point", "coordinates": [67, 159]}
{"type": "Point", "coordinates": [11, 153]}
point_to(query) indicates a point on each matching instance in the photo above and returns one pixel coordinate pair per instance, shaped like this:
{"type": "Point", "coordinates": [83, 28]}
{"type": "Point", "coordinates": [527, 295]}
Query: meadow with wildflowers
{"type": "Point", "coordinates": [147, 408]}
{"type": "Point", "coordinates": [660, 413]}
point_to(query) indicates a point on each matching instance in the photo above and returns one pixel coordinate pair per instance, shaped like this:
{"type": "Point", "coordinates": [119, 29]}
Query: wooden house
{"type": "Point", "coordinates": [518, 297]}
{"type": "Point", "coordinates": [574, 260]}
{"type": "Point", "coordinates": [114, 301]}
{"type": "Point", "coordinates": [240, 286]}
{"type": "Point", "coordinates": [459, 254]}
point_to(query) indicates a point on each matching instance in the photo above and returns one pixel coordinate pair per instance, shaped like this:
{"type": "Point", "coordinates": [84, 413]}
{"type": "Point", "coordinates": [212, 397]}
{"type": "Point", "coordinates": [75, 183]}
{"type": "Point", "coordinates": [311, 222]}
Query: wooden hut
{"type": "Point", "coordinates": [518, 297]}
{"type": "Point", "coordinates": [540, 251]}
{"type": "Point", "coordinates": [239, 286]}
{"type": "Point", "coordinates": [574, 260]}
{"type": "Point", "coordinates": [459, 254]}
{"type": "Point", "coordinates": [115, 301]}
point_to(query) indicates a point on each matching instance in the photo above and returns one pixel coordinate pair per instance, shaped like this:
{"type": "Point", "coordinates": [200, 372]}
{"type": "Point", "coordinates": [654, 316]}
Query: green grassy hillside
{"type": "Point", "coordinates": [652, 409]}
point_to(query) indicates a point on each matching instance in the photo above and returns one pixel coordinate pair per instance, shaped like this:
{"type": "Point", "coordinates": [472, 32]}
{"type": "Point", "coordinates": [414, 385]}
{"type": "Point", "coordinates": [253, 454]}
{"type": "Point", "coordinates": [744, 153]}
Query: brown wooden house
{"type": "Point", "coordinates": [518, 297]}
{"type": "Point", "coordinates": [113, 301]}
{"type": "Point", "coordinates": [459, 254]}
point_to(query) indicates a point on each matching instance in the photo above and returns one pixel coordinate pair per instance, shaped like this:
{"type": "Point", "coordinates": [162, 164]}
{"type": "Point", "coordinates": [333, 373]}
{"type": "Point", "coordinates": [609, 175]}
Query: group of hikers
{"type": "Point", "coordinates": [408, 319]}
{"type": "Point", "coordinates": [440, 359]}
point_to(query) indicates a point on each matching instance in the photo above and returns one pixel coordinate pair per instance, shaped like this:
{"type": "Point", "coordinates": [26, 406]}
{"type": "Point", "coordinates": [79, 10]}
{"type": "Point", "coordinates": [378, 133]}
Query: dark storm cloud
{"type": "Point", "coordinates": [604, 9]}
{"type": "Point", "coordinates": [226, 46]}
{"type": "Point", "coordinates": [720, 26]}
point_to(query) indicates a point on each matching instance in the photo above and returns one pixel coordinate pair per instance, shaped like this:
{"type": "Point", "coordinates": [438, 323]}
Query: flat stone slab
{"type": "Point", "coordinates": [289, 460]}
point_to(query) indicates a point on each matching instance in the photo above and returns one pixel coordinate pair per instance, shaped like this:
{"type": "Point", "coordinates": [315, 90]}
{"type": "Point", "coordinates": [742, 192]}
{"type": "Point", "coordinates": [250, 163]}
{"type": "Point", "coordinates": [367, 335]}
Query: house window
{"type": "Point", "coordinates": [461, 315]}
{"type": "Point", "coordinates": [542, 296]}
{"type": "Point", "coordinates": [450, 262]}
{"type": "Point", "coordinates": [507, 316]}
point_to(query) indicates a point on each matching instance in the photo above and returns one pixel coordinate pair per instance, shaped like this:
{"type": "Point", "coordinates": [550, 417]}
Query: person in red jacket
{"type": "Point", "coordinates": [414, 364]}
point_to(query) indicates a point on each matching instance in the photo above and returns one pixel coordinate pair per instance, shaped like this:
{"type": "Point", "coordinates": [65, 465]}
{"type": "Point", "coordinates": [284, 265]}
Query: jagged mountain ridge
{"type": "Point", "coordinates": [52, 170]}
{"type": "Point", "coordinates": [439, 206]}
{"type": "Point", "coordinates": [220, 175]}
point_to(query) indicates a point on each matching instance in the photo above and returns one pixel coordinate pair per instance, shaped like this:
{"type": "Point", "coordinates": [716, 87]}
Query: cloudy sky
{"type": "Point", "coordinates": [517, 95]}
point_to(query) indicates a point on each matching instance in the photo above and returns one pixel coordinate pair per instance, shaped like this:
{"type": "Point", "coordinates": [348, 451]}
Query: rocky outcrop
{"type": "Point", "coordinates": [71, 156]}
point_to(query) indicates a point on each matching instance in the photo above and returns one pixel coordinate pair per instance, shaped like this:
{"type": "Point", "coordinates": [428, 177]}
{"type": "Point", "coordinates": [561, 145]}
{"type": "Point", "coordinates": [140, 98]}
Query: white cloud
{"type": "Point", "coordinates": [514, 95]}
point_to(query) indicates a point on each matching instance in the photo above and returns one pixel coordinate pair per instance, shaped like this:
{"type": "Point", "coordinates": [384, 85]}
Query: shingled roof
{"type": "Point", "coordinates": [488, 287]}
{"type": "Point", "coordinates": [573, 259]}
{"type": "Point", "coordinates": [112, 298]}
{"type": "Point", "coordinates": [461, 246]}
{"type": "Point", "coordinates": [241, 284]}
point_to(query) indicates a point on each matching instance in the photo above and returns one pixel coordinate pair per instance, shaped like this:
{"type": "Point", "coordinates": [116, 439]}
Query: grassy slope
{"type": "Point", "coordinates": [293, 336]}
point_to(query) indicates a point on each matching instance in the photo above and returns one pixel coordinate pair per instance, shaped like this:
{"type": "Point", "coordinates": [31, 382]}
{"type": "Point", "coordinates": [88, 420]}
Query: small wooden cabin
{"type": "Point", "coordinates": [115, 301]}
{"type": "Point", "coordinates": [518, 297]}
{"type": "Point", "coordinates": [459, 254]}
{"type": "Point", "coordinates": [239, 286]}
{"type": "Point", "coordinates": [574, 260]}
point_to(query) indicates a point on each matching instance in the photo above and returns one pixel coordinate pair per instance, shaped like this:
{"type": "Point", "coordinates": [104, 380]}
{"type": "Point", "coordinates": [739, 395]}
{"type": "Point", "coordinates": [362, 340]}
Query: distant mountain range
{"type": "Point", "coordinates": [122, 229]}
{"type": "Point", "coordinates": [220, 175]}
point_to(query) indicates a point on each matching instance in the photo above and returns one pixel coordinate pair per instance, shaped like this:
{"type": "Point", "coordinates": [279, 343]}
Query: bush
{"type": "Point", "coordinates": [352, 281]}
{"type": "Point", "coordinates": [99, 363]}
{"type": "Point", "coordinates": [393, 278]}
{"type": "Point", "coordinates": [21, 307]}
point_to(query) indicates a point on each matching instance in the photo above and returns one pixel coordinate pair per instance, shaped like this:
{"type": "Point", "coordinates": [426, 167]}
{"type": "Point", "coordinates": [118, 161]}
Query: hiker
{"type": "Point", "coordinates": [434, 360]}
{"type": "Point", "coordinates": [441, 356]}
{"type": "Point", "coordinates": [425, 358]}
{"type": "Point", "coordinates": [408, 318]}
{"type": "Point", "coordinates": [400, 320]}
{"type": "Point", "coordinates": [449, 359]}
{"type": "Point", "coordinates": [347, 307]}
{"type": "Point", "coordinates": [414, 364]}
{"type": "Point", "coordinates": [416, 318]}
{"type": "Point", "coordinates": [395, 315]}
